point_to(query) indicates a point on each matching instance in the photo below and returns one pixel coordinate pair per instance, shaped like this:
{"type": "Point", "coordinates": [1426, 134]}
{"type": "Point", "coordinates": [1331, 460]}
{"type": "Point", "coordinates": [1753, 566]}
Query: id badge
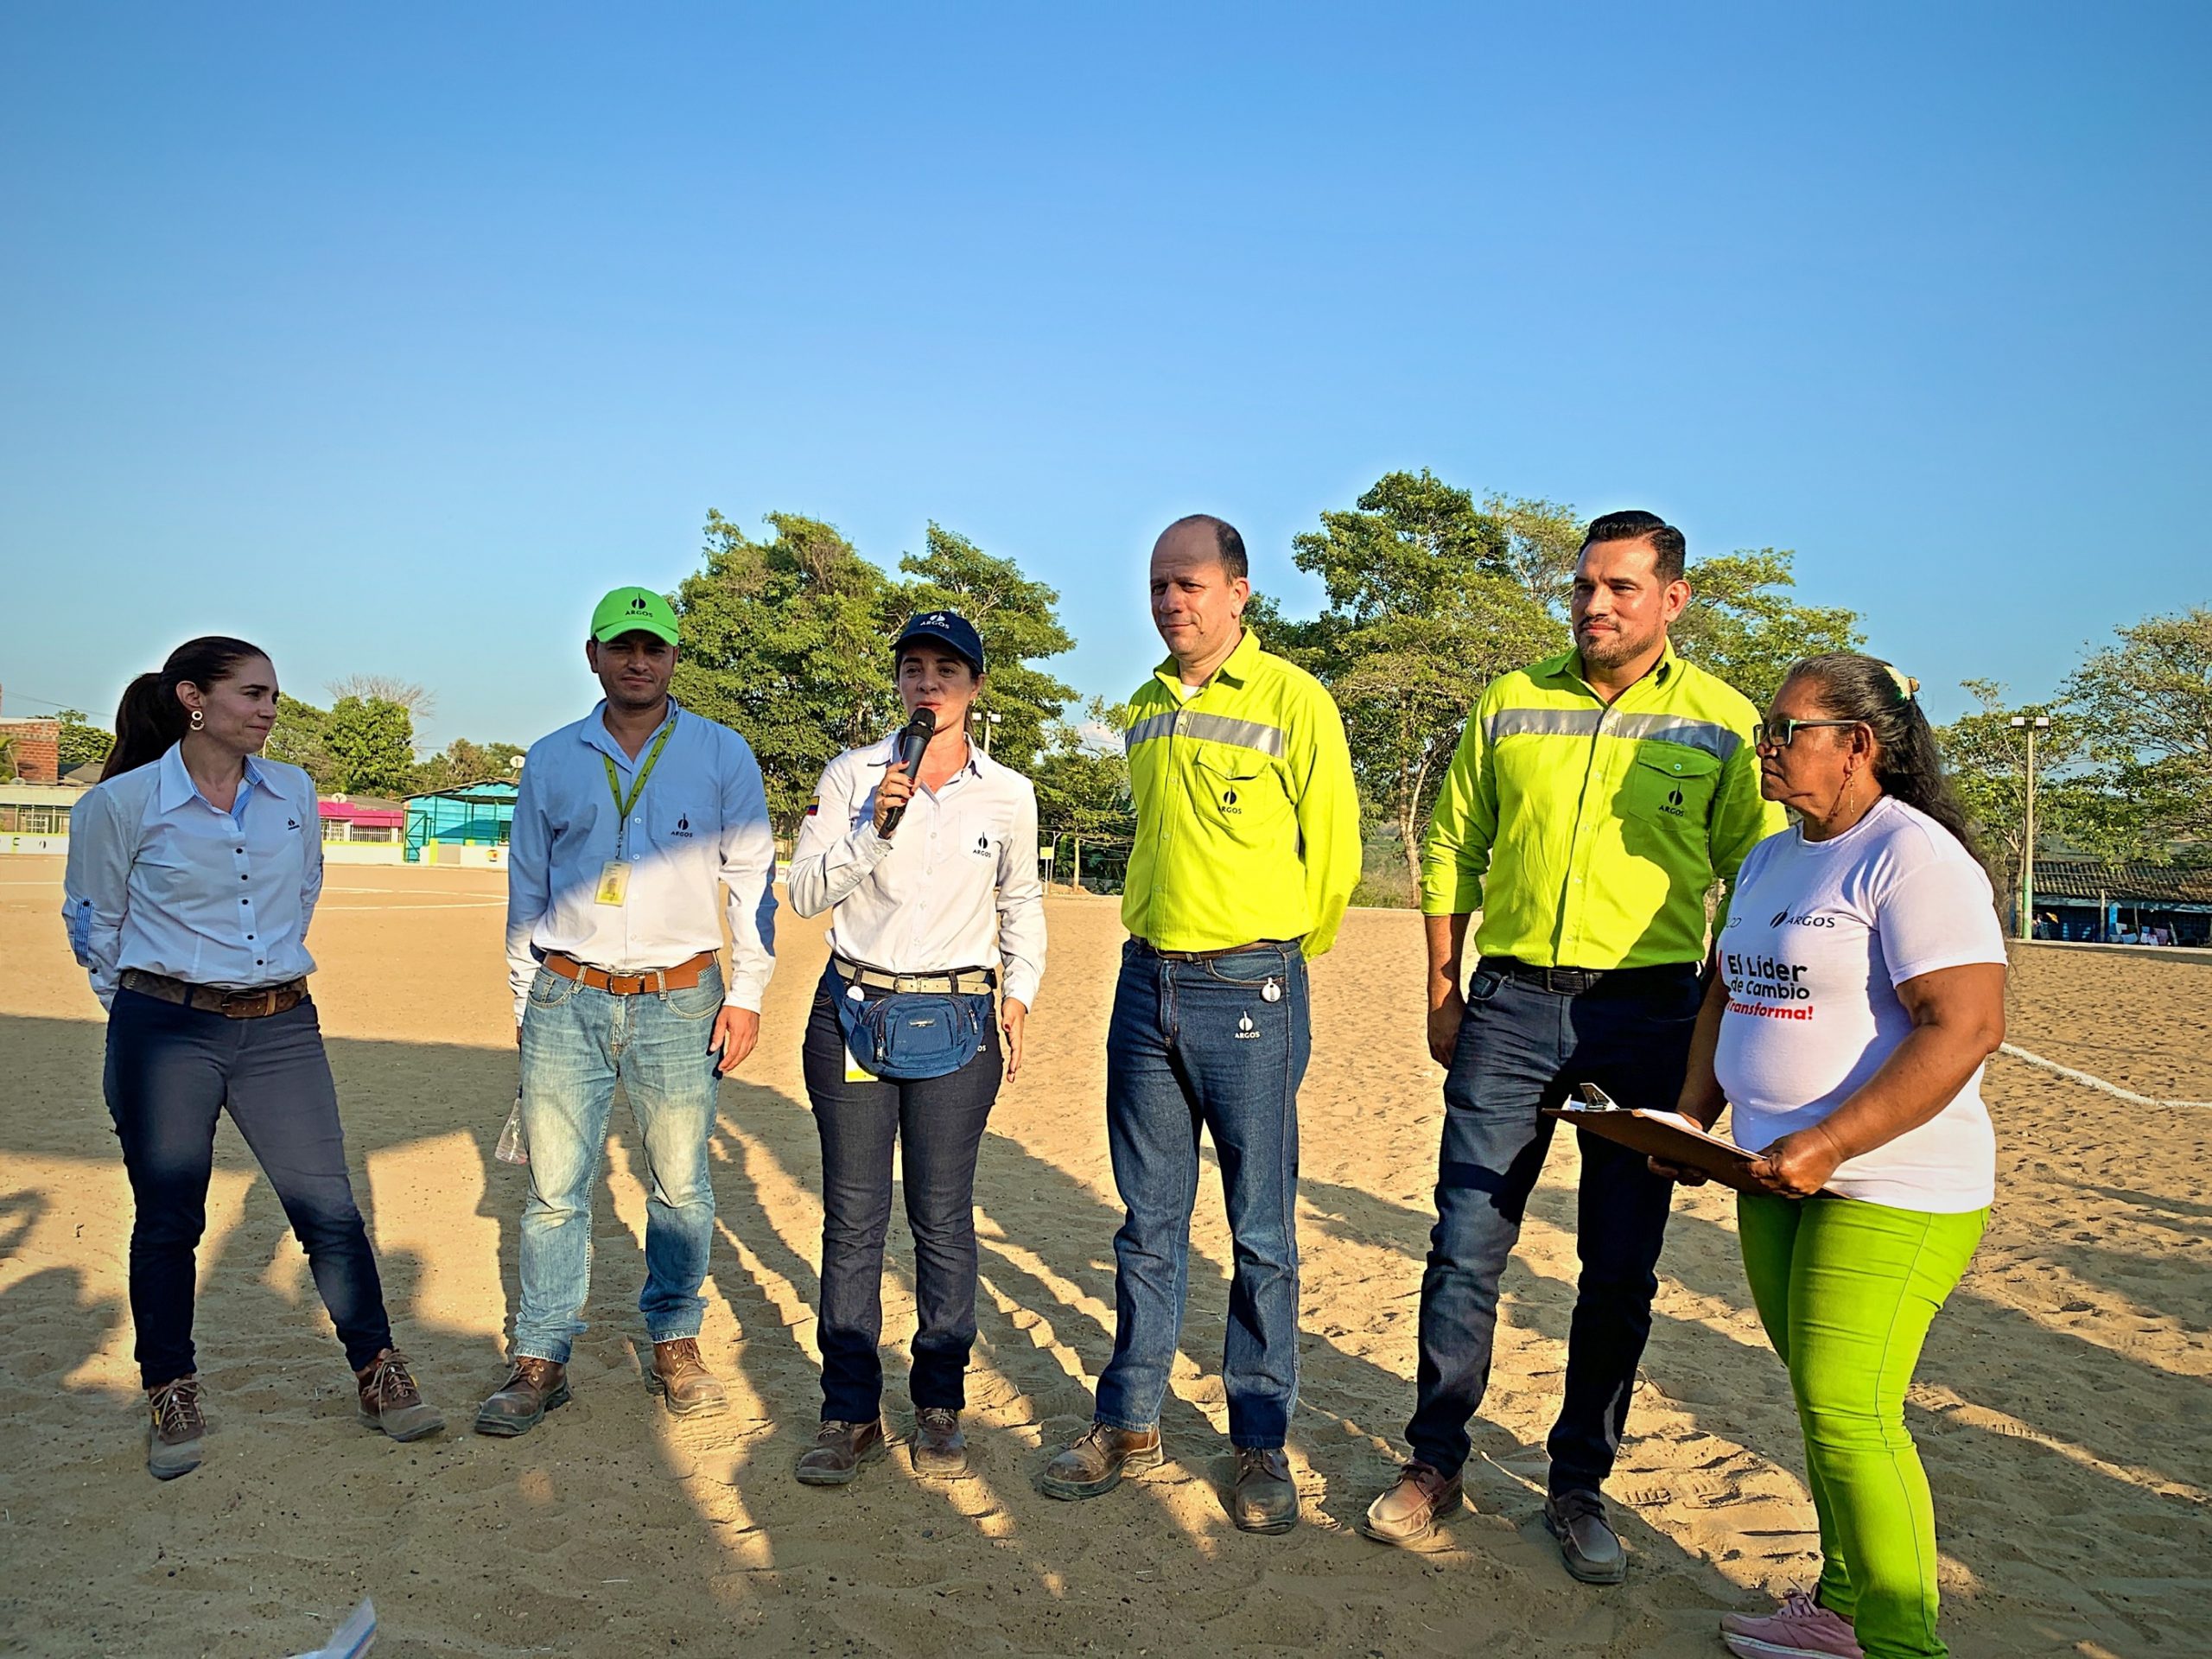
{"type": "Point", "coordinates": [613, 881]}
{"type": "Point", "coordinates": [854, 1072]}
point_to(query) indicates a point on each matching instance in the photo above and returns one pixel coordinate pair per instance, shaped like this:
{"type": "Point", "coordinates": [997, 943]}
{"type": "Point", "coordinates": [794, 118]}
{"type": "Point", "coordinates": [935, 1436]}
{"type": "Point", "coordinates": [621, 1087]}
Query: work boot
{"type": "Point", "coordinates": [1587, 1542]}
{"type": "Point", "coordinates": [1264, 1499]}
{"type": "Point", "coordinates": [391, 1401]}
{"type": "Point", "coordinates": [838, 1450]}
{"type": "Point", "coordinates": [686, 1386]}
{"type": "Point", "coordinates": [940, 1450]}
{"type": "Point", "coordinates": [172, 1438]}
{"type": "Point", "coordinates": [1096, 1462]}
{"type": "Point", "coordinates": [533, 1388]}
{"type": "Point", "coordinates": [1409, 1512]}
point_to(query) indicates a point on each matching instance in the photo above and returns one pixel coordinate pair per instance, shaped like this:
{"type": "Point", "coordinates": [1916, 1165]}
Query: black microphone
{"type": "Point", "coordinates": [913, 743]}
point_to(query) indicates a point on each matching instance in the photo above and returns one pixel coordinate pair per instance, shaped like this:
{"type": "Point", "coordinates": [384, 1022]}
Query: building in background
{"type": "Point", "coordinates": [354, 819]}
{"type": "Point", "coordinates": [2081, 899]}
{"type": "Point", "coordinates": [441, 826]}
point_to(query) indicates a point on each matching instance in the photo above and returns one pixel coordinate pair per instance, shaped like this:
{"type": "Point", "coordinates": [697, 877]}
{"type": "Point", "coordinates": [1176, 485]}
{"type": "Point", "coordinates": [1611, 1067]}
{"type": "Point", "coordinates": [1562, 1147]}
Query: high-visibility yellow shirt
{"type": "Point", "coordinates": [1588, 834]}
{"type": "Point", "coordinates": [1248, 819]}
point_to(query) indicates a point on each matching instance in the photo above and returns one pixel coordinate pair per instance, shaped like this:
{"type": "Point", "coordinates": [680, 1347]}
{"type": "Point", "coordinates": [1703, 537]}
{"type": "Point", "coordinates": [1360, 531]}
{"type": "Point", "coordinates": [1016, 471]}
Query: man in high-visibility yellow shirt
{"type": "Point", "coordinates": [1247, 852]}
{"type": "Point", "coordinates": [1595, 799]}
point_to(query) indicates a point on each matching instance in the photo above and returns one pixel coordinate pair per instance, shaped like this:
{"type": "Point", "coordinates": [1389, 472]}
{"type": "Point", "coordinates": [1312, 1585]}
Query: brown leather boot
{"type": "Point", "coordinates": [940, 1450]}
{"type": "Point", "coordinates": [1409, 1512]}
{"type": "Point", "coordinates": [838, 1450]}
{"type": "Point", "coordinates": [1096, 1462]}
{"type": "Point", "coordinates": [533, 1388]}
{"type": "Point", "coordinates": [173, 1440]}
{"type": "Point", "coordinates": [391, 1401]}
{"type": "Point", "coordinates": [686, 1386]}
{"type": "Point", "coordinates": [1265, 1498]}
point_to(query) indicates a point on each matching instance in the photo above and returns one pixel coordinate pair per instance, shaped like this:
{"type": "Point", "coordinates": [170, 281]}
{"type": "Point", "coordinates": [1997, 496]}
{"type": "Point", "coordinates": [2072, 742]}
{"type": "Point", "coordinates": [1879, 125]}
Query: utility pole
{"type": "Point", "coordinates": [2031, 725]}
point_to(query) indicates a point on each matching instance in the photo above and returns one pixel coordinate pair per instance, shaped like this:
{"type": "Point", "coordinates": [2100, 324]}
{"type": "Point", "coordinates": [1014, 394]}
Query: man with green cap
{"type": "Point", "coordinates": [627, 825]}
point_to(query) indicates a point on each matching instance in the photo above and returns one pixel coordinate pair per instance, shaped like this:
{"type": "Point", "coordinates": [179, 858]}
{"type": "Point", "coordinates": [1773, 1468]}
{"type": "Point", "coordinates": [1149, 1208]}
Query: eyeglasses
{"type": "Point", "coordinates": [1775, 733]}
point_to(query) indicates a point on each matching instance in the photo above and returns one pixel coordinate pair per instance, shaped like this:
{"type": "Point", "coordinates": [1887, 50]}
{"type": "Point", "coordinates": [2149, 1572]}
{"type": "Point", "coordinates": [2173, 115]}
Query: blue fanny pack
{"type": "Point", "coordinates": [906, 1036]}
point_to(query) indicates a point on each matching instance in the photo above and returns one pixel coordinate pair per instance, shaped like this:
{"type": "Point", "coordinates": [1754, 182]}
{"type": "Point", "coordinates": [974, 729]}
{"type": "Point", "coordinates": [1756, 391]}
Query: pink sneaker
{"type": "Point", "coordinates": [1801, 1629]}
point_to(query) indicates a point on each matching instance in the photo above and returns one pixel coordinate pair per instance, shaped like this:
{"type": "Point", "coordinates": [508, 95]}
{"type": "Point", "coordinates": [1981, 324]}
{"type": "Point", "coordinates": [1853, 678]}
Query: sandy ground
{"type": "Point", "coordinates": [2062, 1406]}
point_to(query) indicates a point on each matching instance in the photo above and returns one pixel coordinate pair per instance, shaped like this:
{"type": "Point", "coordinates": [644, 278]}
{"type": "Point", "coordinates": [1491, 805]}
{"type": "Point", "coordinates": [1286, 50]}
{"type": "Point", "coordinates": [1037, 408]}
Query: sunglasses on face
{"type": "Point", "coordinates": [1775, 732]}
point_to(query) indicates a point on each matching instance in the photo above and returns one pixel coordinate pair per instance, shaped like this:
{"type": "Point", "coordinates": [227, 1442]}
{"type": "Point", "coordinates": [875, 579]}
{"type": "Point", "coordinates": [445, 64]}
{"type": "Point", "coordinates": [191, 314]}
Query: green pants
{"type": "Point", "coordinates": [1846, 1292]}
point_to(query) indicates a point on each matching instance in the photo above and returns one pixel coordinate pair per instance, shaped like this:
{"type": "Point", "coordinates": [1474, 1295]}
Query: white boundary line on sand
{"type": "Point", "coordinates": [2084, 1078]}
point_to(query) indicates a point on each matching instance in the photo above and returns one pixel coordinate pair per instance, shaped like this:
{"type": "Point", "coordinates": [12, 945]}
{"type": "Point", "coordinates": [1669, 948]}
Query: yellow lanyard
{"type": "Point", "coordinates": [637, 789]}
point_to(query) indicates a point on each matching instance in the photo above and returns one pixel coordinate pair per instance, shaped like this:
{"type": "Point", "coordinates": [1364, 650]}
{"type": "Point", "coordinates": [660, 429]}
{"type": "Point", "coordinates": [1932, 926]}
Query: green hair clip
{"type": "Point", "coordinates": [1907, 686]}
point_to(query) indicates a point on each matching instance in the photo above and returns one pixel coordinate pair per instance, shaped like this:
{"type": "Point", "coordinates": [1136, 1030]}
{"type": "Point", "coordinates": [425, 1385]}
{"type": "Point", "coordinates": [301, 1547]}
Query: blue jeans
{"type": "Point", "coordinates": [576, 1044]}
{"type": "Point", "coordinates": [937, 1123]}
{"type": "Point", "coordinates": [1523, 1046]}
{"type": "Point", "coordinates": [170, 1071]}
{"type": "Point", "coordinates": [1196, 1043]}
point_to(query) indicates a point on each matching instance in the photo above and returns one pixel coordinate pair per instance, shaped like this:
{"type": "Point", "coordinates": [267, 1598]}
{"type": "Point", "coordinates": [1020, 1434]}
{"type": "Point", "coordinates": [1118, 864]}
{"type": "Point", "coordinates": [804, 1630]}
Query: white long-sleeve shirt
{"type": "Point", "coordinates": [162, 879]}
{"type": "Point", "coordinates": [954, 887]}
{"type": "Point", "coordinates": [701, 819]}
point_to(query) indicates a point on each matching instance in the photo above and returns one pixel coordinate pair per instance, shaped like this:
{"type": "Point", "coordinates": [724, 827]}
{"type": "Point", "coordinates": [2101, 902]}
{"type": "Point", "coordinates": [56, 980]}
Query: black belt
{"type": "Point", "coordinates": [1147, 948]}
{"type": "Point", "coordinates": [1578, 982]}
{"type": "Point", "coordinates": [954, 981]}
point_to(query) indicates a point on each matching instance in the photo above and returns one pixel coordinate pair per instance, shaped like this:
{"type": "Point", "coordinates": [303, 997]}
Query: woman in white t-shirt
{"type": "Point", "coordinates": [1859, 986]}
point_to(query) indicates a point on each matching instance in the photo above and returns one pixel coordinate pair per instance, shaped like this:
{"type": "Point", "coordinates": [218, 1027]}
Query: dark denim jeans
{"type": "Point", "coordinates": [1522, 1048]}
{"type": "Point", "coordinates": [170, 1071]}
{"type": "Point", "coordinates": [937, 1125]}
{"type": "Point", "coordinates": [1196, 1043]}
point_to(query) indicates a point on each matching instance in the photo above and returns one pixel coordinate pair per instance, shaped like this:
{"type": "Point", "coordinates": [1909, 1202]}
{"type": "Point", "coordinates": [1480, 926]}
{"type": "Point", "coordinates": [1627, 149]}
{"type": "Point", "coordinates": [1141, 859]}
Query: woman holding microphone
{"type": "Point", "coordinates": [193, 871]}
{"type": "Point", "coordinates": [1860, 986]}
{"type": "Point", "coordinates": [930, 879]}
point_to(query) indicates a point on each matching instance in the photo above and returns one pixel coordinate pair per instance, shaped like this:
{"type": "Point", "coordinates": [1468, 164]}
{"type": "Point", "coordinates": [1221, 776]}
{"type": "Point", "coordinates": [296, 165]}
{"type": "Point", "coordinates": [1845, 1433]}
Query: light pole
{"type": "Point", "coordinates": [985, 722]}
{"type": "Point", "coordinates": [2031, 724]}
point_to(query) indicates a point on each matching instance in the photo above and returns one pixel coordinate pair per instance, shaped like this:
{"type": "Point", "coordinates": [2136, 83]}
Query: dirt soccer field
{"type": "Point", "coordinates": [2063, 1408]}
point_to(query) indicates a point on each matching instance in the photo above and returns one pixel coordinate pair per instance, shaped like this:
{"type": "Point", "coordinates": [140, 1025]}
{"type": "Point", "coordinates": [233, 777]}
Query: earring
{"type": "Point", "coordinates": [199, 719]}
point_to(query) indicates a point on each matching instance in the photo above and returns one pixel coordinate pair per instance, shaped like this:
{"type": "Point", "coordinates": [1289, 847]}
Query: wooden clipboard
{"type": "Point", "coordinates": [1664, 1135]}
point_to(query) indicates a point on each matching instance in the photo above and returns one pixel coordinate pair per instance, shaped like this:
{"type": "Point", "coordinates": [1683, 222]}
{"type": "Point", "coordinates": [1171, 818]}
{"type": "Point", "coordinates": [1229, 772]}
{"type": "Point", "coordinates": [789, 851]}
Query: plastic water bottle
{"type": "Point", "coordinates": [510, 1149]}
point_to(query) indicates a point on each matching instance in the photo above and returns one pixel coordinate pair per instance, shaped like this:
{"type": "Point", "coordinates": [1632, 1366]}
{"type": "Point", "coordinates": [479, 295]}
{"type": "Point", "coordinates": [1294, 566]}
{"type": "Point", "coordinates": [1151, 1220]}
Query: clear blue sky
{"type": "Point", "coordinates": [388, 337]}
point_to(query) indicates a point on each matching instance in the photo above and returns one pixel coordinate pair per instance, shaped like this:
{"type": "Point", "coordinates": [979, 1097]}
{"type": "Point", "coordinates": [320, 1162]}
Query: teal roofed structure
{"type": "Point", "coordinates": [471, 815]}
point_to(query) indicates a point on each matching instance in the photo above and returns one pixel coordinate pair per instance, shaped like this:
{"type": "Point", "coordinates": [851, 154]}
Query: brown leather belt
{"type": "Point", "coordinates": [681, 977]}
{"type": "Point", "coordinates": [1152, 949]}
{"type": "Point", "coordinates": [215, 999]}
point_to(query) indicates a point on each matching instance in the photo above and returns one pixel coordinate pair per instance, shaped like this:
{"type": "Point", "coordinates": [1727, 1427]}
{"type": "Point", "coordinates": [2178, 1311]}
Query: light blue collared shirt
{"type": "Point", "coordinates": [701, 821]}
{"type": "Point", "coordinates": [162, 879]}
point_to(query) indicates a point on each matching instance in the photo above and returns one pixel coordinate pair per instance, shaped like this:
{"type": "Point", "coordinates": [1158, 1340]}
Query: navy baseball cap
{"type": "Point", "coordinates": [946, 627]}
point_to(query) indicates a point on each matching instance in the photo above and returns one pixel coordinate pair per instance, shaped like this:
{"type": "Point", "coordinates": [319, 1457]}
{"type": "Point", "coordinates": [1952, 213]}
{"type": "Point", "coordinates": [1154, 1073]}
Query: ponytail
{"type": "Point", "coordinates": [149, 721]}
{"type": "Point", "coordinates": [1907, 762]}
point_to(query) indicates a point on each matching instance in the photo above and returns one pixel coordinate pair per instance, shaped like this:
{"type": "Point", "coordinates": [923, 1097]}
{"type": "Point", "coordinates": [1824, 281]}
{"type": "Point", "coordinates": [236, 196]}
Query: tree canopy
{"type": "Point", "coordinates": [788, 638]}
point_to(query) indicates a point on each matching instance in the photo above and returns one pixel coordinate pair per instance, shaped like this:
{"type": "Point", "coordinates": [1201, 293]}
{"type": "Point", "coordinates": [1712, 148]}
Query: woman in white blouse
{"type": "Point", "coordinates": [1859, 986]}
{"type": "Point", "coordinates": [934, 899]}
{"type": "Point", "coordinates": [193, 871]}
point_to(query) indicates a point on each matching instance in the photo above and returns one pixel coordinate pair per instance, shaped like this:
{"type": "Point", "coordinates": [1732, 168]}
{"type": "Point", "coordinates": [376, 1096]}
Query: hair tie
{"type": "Point", "coordinates": [1907, 686]}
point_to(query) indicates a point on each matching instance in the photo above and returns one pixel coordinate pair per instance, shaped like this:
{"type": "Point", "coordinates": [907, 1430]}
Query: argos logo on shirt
{"type": "Point", "coordinates": [1783, 918]}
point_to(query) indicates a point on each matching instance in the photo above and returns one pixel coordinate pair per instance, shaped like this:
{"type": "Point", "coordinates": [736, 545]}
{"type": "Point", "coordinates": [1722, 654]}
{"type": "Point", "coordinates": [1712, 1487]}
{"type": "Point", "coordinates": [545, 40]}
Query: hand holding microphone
{"type": "Point", "coordinates": [898, 785]}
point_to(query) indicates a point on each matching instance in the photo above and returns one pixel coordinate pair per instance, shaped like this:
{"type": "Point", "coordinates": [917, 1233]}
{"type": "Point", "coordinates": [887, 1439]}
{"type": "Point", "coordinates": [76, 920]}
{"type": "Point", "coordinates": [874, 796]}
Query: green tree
{"type": "Point", "coordinates": [783, 639]}
{"type": "Point", "coordinates": [1083, 785]}
{"type": "Point", "coordinates": [1742, 624]}
{"type": "Point", "coordinates": [2147, 704]}
{"type": "Point", "coordinates": [1985, 757]}
{"type": "Point", "coordinates": [1020, 625]}
{"type": "Point", "coordinates": [298, 740]}
{"type": "Point", "coordinates": [1428, 597]}
{"type": "Point", "coordinates": [370, 746]}
{"type": "Point", "coordinates": [463, 762]}
{"type": "Point", "coordinates": [1543, 539]}
{"type": "Point", "coordinates": [82, 742]}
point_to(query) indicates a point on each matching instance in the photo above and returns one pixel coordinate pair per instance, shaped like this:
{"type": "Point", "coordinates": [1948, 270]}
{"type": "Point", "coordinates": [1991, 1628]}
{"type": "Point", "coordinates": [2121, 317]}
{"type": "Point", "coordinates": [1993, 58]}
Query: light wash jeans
{"type": "Point", "coordinates": [576, 1044]}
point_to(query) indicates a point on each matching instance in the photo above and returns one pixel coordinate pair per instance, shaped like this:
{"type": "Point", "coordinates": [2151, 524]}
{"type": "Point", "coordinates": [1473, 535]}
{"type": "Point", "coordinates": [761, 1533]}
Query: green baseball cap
{"type": "Point", "coordinates": [633, 610]}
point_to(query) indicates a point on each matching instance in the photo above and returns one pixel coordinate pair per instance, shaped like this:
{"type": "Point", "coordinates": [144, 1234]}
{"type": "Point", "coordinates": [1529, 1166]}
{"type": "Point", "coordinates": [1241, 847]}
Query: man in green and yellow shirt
{"type": "Point", "coordinates": [1247, 852]}
{"type": "Point", "coordinates": [1596, 798]}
